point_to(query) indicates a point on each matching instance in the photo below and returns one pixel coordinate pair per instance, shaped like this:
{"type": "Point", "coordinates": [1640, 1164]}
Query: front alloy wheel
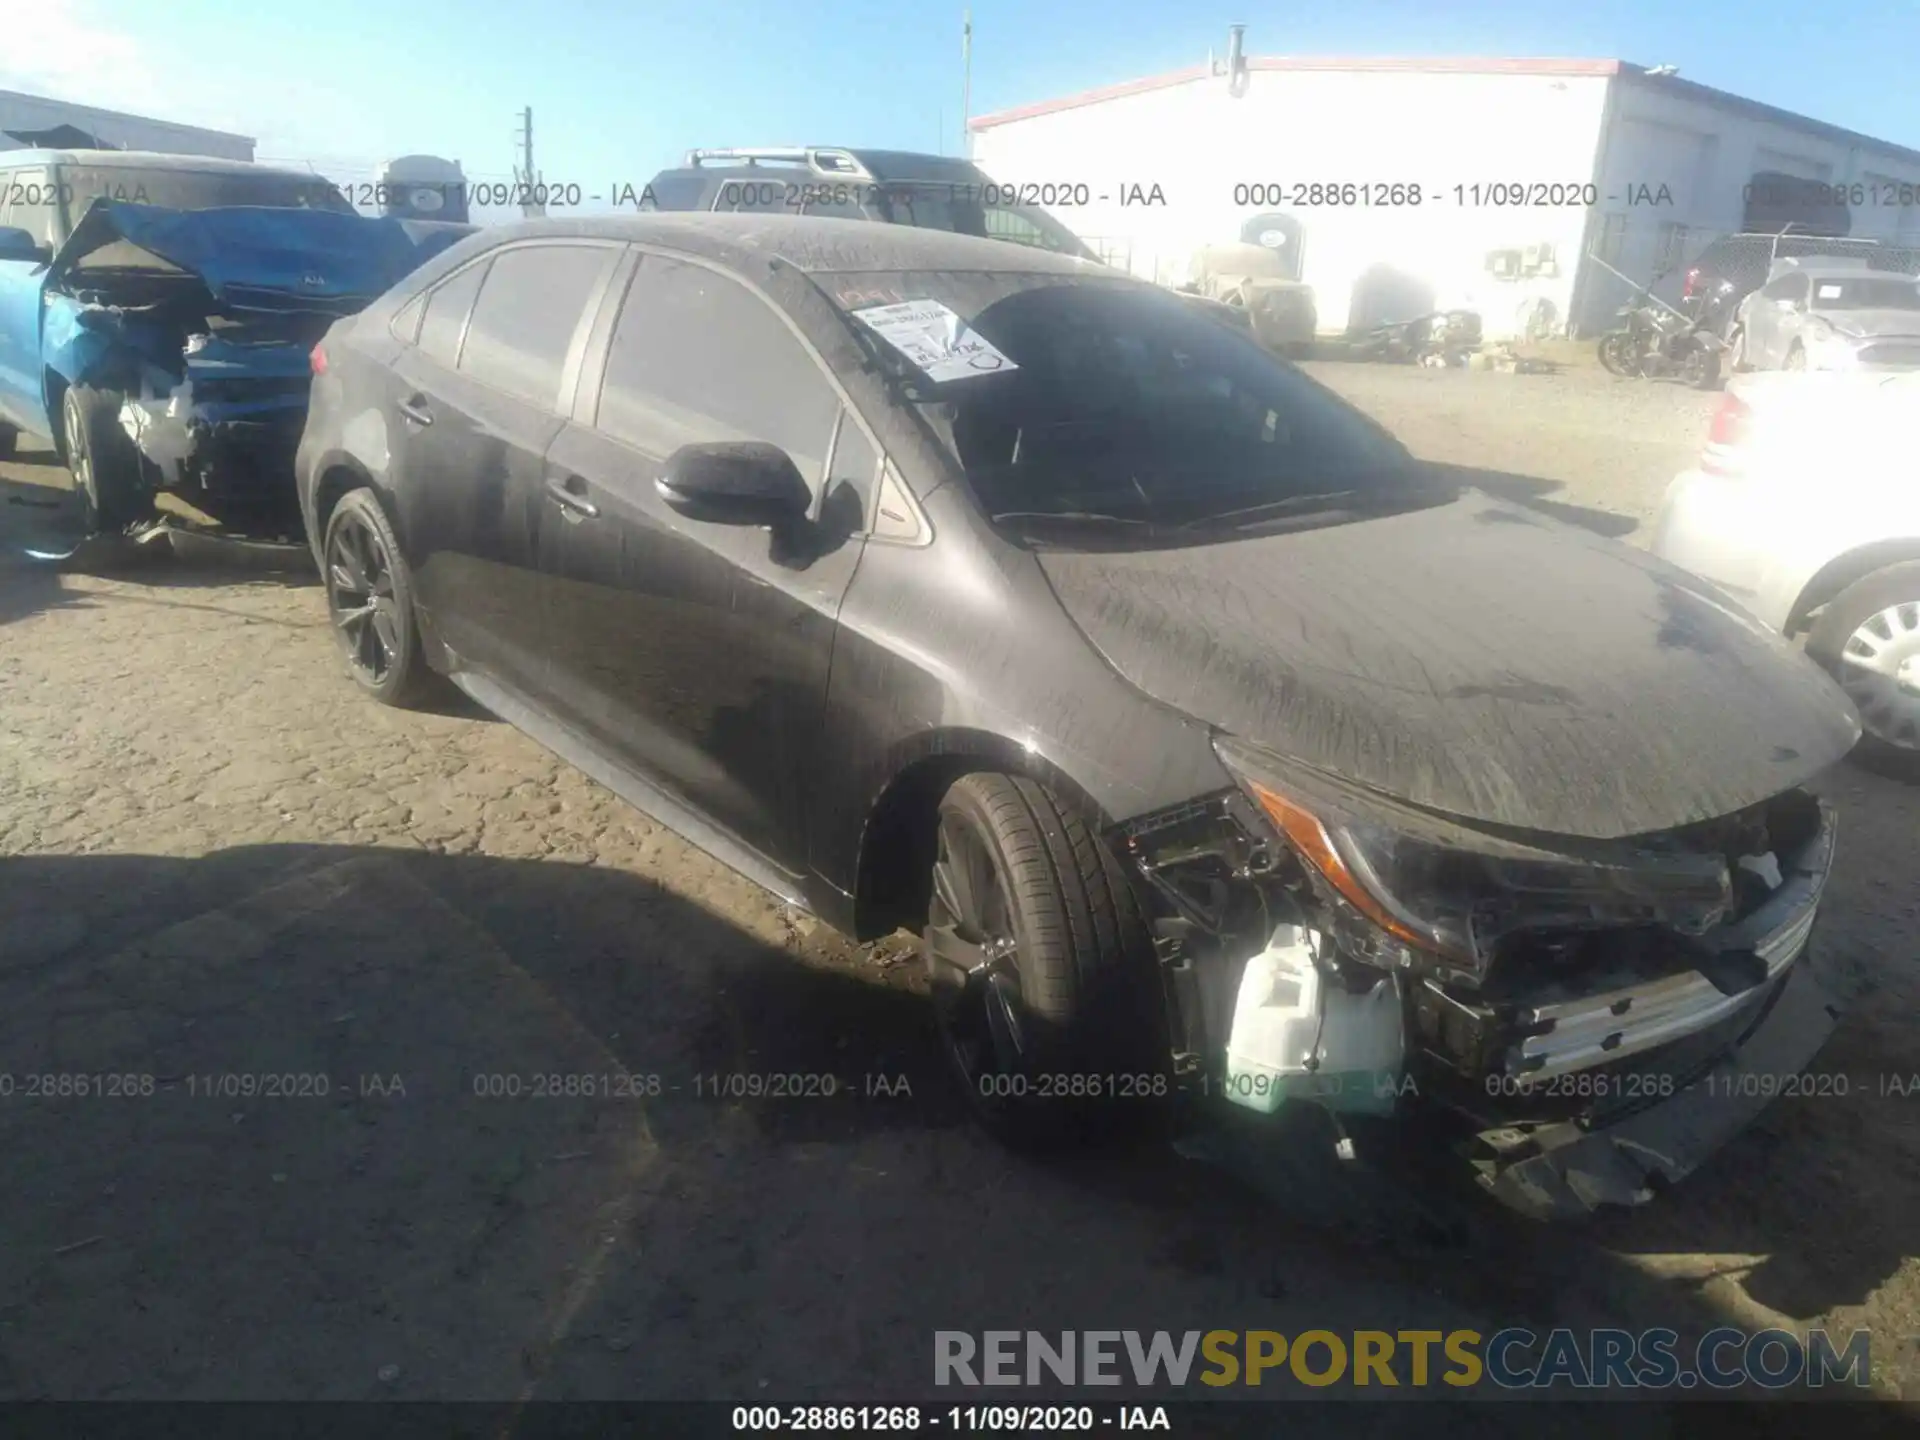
{"type": "Point", "coordinates": [973, 965]}
{"type": "Point", "coordinates": [1041, 968]}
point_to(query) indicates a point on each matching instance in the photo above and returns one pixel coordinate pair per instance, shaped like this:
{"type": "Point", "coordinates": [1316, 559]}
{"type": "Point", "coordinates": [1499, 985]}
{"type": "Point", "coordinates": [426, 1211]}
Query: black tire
{"type": "Point", "coordinates": [1024, 889]}
{"type": "Point", "coordinates": [370, 602]}
{"type": "Point", "coordinates": [1702, 370]}
{"type": "Point", "coordinates": [103, 460]}
{"type": "Point", "coordinates": [9, 441]}
{"type": "Point", "coordinates": [1796, 358]}
{"type": "Point", "coordinates": [1891, 744]}
{"type": "Point", "coordinates": [1737, 351]}
{"type": "Point", "coordinates": [1617, 355]}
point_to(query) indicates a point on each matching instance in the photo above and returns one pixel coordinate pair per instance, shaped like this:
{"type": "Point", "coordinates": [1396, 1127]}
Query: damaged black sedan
{"type": "Point", "coordinates": [1217, 751]}
{"type": "Point", "coordinates": [156, 317]}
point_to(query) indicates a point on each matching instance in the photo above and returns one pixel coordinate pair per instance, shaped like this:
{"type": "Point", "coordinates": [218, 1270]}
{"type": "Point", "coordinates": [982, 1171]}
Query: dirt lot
{"type": "Point", "coordinates": [220, 863]}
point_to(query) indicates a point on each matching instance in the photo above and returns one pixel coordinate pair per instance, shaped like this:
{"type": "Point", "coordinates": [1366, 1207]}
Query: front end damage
{"type": "Point", "coordinates": [1583, 1021]}
{"type": "Point", "coordinates": [200, 325]}
{"type": "Point", "coordinates": [212, 400]}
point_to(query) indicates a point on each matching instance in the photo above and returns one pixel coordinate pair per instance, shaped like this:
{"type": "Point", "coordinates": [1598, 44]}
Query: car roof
{"type": "Point", "coordinates": [898, 166]}
{"type": "Point", "coordinates": [813, 244]}
{"type": "Point", "coordinates": [151, 160]}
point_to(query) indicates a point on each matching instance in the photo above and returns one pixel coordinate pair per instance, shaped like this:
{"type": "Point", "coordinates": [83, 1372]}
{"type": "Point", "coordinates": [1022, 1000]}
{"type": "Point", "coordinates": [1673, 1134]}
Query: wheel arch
{"type": "Point", "coordinates": [334, 477]}
{"type": "Point", "coordinates": [892, 871]}
{"type": "Point", "coordinates": [1846, 569]}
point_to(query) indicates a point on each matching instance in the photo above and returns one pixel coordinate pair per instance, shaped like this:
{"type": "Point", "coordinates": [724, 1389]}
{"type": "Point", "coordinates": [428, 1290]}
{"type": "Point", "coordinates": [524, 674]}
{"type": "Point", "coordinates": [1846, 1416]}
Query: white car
{"type": "Point", "coordinates": [1804, 506]}
{"type": "Point", "coordinates": [1829, 313]}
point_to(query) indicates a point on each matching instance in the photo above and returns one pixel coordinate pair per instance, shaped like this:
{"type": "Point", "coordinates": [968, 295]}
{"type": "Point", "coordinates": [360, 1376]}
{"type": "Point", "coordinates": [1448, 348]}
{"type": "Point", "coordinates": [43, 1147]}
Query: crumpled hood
{"type": "Point", "coordinates": [1875, 324]}
{"type": "Point", "coordinates": [1475, 658]}
{"type": "Point", "coordinates": [259, 257]}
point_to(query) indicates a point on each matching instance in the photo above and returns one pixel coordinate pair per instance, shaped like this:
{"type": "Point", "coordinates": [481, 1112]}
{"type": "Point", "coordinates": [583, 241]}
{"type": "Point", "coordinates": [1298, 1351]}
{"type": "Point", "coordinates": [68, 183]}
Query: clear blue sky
{"type": "Point", "coordinates": [621, 89]}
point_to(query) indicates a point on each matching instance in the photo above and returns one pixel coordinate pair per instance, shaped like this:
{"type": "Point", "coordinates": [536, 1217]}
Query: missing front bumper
{"type": "Point", "coordinates": [1567, 1171]}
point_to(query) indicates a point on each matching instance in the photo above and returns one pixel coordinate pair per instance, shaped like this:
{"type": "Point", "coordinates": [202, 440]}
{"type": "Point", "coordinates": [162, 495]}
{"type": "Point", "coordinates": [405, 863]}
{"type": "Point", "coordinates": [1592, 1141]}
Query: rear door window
{"type": "Point", "coordinates": [696, 356]}
{"type": "Point", "coordinates": [446, 315]}
{"type": "Point", "coordinates": [524, 321]}
{"type": "Point", "coordinates": [406, 324]}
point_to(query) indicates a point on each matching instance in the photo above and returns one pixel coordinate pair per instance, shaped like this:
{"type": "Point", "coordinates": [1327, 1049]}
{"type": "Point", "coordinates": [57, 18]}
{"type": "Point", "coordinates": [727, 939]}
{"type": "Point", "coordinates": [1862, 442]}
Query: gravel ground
{"type": "Point", "coordinates": [219, 862]}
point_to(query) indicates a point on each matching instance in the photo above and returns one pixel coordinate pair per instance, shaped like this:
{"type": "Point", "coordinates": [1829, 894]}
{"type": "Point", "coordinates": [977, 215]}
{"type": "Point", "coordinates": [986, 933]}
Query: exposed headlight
{"type": "Point", "coordinates": [1453, 892]}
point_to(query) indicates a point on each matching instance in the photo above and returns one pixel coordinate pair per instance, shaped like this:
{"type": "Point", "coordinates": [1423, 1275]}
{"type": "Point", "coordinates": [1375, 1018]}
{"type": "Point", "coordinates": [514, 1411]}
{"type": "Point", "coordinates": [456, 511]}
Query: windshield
{"type": "Point", "coordinates": [1874, 292]}
{"type": "Point", "coordinates": [1124, 412]}
{"type": "Point", "coordinates": [961, 209]}
{"type": "Point", "coordinates": [195, 189]}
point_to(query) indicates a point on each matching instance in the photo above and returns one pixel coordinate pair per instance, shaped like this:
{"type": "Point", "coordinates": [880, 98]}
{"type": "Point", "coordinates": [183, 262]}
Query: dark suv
{"type": "Point", "coordinates": [896, 187]}
{"type": "Point", "coordinates": [1734, 266]}
{"type": "Point", "coordinates": [892, 187]}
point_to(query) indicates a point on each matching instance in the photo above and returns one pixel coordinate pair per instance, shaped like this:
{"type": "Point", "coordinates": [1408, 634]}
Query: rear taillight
{"type": "Point", "coordinates": [1726, 436]}
{"type": "Point", "coordinates": [318, 359]}
{"type": "Point", "coordinates": [1693, 283]}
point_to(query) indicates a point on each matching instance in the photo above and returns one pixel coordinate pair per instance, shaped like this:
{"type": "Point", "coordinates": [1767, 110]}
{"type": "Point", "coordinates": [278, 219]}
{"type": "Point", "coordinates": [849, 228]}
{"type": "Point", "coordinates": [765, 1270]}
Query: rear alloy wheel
{"type": "Point", "coordinates": [370, 601]}
{"type": "Point", "coordinates": [1869, 639]}
{"type": "Point", "coordinates": [1041, 971]}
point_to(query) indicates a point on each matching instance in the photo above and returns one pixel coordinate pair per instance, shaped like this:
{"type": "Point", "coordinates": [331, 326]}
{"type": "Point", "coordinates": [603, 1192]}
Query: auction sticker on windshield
{"type": "Point", "coordinates": [938, 342]}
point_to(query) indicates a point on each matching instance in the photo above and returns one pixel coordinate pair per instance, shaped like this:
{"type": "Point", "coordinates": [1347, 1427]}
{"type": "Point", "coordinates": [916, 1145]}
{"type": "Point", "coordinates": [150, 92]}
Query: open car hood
{"type": "Point", "coordinates": [256, 257]}
{"type": "Point", "coordinates": [1478, 659]}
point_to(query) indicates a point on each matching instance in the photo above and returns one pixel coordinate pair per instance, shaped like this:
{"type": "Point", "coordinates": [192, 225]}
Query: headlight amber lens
{"type": "Point", "coordinates": [1311, 839]}
{"type": "Point", "coordinates": [1456, 892]}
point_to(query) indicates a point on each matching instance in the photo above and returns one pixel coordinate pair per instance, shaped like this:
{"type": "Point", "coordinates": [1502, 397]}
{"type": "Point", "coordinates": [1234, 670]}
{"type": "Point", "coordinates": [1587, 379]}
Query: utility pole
{"type": "Point", "coordinates": [966, 76]}
{"type": "Point", "coordinates": [526, 179]}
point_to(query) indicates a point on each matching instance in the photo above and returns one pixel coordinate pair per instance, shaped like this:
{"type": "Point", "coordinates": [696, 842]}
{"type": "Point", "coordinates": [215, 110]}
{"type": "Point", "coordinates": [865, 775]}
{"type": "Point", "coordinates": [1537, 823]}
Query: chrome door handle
{"type": "Point", "coordinates": [570, 495]}
{"type": "Point", "coordinates": [414, 407]}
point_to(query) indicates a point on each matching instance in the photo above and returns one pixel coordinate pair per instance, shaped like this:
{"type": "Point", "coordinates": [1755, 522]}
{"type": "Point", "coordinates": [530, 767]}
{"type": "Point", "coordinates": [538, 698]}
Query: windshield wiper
{"type": "Point", "coordinates": [1292, 504]}
{"type": "Point", "coordinates": [1099, 516]}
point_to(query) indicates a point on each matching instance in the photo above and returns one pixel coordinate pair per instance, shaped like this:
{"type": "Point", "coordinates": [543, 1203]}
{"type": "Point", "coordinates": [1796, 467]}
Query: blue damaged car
{"type": "Point", "coordinates": [157, 313]}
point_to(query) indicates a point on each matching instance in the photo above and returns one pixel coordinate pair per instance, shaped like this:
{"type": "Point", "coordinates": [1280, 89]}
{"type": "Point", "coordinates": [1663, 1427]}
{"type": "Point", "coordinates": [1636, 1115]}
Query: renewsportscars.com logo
{"type": "Point", "coordinates": [1512, 1359]}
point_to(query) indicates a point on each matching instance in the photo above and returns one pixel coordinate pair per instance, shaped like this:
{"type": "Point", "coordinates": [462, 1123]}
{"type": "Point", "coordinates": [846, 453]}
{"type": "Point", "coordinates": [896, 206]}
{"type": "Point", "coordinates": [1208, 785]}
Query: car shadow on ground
{"type": "Point", "coordinates": [366, 1122]}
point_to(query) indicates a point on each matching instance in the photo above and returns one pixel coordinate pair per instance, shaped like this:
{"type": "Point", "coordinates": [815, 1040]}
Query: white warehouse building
{"type": "Point", "coordinates": [35, 121]}
{"type": "Point", "coordinates": [1405, 185]}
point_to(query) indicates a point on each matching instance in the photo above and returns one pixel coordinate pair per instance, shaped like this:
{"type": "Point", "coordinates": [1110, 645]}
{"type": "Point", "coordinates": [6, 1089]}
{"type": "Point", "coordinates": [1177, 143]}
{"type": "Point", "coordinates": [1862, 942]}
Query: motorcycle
{"type": "Point", "coordinates": [1657, 343]}
{"type": "Point", "coordinates": [1437, 339]}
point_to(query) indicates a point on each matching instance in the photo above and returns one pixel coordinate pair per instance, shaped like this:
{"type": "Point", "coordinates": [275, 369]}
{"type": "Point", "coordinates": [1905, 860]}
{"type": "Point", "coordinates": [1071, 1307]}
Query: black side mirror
{"type": "Point", "coordinates": [735, 483]}
{"type": "Point", "coordinates": [18, 244]}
